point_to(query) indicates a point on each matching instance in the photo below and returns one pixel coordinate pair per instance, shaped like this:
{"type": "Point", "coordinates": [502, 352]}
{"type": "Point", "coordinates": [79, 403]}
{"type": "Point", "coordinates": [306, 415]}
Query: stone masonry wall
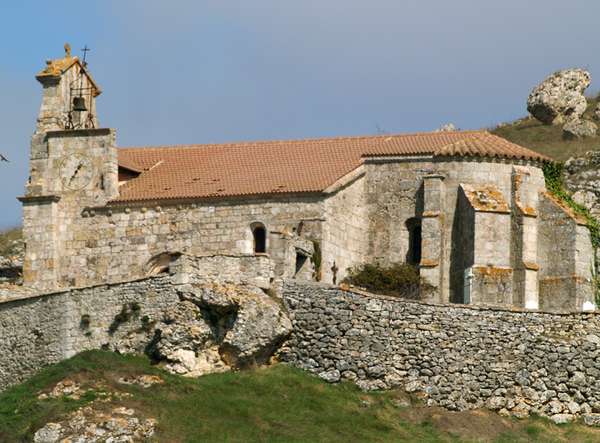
{"type": "Point", "coordinates": [255, 270]}
{"type": "Point", "coordinates": [115, 244]}
{"type": "Point", "coordinates": [566, 259]}
{"type": "Point", "coordinates": [456, 357]}
{"type": "Point", "coordinates": [345, 234]}
{"type": "Point", "coordinates": [499, 175]}
{"type": "Point", "coordinates": [393, 196]}
{"type": "Point", "coordinates": [41, 329]}
{"type": "Point", "coordinates": [45, 329]}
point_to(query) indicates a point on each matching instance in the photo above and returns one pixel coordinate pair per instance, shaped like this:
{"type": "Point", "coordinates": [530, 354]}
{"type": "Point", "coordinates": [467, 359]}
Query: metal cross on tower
{"type": "Point", "coordinates": [85, 50]}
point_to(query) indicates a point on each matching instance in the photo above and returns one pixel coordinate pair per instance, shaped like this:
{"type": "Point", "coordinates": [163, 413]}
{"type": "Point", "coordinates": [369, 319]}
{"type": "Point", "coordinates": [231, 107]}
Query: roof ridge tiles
{"type": "Point", "coordinates": [308, 139]}
{"type": "Point", "coordinates": [306, 165]}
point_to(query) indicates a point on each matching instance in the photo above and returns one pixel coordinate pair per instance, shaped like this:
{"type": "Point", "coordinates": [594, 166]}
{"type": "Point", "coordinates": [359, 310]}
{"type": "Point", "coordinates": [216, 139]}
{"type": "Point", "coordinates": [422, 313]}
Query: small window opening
{"type": "Point", "coordinates": [260, 239]}
{"type": "Point", "coordinates": [414, 241]}
{"type": "Point", "coordinates": [300, 262]}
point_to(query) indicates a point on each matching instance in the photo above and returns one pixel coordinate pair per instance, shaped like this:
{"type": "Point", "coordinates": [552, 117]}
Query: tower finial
{"type": "Point", "coordinates": [67, 50]}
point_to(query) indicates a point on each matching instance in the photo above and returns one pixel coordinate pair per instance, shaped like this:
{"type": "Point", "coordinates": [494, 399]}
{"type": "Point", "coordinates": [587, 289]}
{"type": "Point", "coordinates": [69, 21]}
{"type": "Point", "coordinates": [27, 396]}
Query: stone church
{"type": "Point", "coordinates": [468, 208]}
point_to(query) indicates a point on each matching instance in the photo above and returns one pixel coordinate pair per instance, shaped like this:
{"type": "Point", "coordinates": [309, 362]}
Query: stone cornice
{"type": "Point", "coordinates": [39, 198]}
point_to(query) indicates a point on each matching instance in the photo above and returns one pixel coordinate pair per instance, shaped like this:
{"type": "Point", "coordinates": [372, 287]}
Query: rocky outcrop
{"type": "Point", "coordinates": [89, 424]}
{"type": "Point", "coordinates": [559, 97]}
{"type": "Point", "coordinates": [213, 328]}
{"type": "Point", "coordinates": [579, 128]}
{"type": "Point", "coordinates": [582, 180]}
{"type": "Point", "coordinates": [95, 422]}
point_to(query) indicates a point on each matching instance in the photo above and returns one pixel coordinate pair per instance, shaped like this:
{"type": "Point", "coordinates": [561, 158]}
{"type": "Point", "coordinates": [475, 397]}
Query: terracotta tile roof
{"type": "Point", "coordinates": [291, 166]}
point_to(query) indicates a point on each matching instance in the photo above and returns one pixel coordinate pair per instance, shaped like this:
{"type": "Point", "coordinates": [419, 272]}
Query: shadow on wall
{"type": "Point", "coordinates": [462, 243]}
{"type": "Point", "coordinates": [161, 263]}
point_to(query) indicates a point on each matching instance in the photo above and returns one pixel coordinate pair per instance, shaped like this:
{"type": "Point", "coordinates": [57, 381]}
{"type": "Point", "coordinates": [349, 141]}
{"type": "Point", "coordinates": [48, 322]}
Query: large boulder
{"type": "Point", "coordinates": [248, 325]}
{"type": "Point", "coordinates": [579, 128]}
{"type": "Point", "coordinates": [213, 328]}
{"type": "Point", "coordinates": [259, 329]}
{"type": "Point", "coordinates": [559, 97]}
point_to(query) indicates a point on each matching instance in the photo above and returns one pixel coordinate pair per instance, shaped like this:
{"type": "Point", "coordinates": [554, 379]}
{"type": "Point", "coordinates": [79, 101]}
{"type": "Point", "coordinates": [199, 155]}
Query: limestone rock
{"type": "Point", "coordinates": [182, 328]}
{"type": "Point", "coordinates": [145, 381]}
{"type": "Point", "coordinates": [560, 419]}
{"type": "Point", "coordinates": [579, 128]}
{"type": "Point", "coordinates": [48, 434]}
{"type": "Point", "coordinates": [597, 112]}
{"type": "Point", "coordinates": [65, 388]}
{"type": "Point", "coordinates": [89, 424]}
{"type": "Point", "coordinates": [196, 363]}
{"type": "Point", "coordinates": [496, 403]}
{"type": "Point", "coordinates": [592, 419]}
{"type": "Point", "coordinates": [259, 328]}
{"type": "Point", "coordinates": [217, 327]}
{"type": "Point", "coordinates": [448, 127]}
{"type": "Point", "coordinates": [331, 376]}
{"type": "Point", "coordinates": [560, 96]}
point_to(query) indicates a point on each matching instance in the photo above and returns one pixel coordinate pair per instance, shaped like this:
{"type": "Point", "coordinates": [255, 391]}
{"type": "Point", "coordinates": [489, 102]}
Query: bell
{"type": "Point", "coordinates": [79, 104]}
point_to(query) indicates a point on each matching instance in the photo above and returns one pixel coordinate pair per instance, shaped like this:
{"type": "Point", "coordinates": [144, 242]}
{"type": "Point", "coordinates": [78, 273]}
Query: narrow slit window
{"type": "Point", "coordinates": [415, 245]}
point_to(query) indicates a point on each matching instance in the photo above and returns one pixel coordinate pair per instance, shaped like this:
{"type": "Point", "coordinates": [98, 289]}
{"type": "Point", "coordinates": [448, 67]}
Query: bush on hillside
{"type": "Point", "coordinates": [11, 242]}
{"type": "Point", "coordinates": [398, 280]}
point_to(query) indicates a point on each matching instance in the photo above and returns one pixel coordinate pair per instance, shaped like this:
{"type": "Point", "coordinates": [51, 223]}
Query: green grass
{"type": "Point", "coordinates": [548, 140]}
{"type": "Point", "coordinates": [6, 239]}
{"type": "Point", "coordinates": [275, 404]}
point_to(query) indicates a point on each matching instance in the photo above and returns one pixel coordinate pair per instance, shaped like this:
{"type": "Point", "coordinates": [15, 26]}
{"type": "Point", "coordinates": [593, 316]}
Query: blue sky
{"type": "Point", "coordinates": [183, 71]}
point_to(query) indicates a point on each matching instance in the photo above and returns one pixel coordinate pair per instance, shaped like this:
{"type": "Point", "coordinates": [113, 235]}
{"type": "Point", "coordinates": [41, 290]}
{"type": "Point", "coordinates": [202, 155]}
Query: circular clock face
{"type": "Point", "coordinates": [76, 172]}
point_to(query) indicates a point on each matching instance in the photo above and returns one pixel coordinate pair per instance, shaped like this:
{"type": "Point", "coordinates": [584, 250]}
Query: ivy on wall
{"type": "Point", "coordinates": [553, 174]}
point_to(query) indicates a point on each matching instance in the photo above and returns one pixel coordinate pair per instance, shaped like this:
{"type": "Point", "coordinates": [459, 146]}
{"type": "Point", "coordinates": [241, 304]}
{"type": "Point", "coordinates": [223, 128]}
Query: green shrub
{"type": "Point", "coordinates": [9, 241]}
{"type": "Point", "coordinates": [553, 175]}
{"type": "Point", "coordinates": [128, 311]}
{"type": "Point", "coordinates": [398, 280]}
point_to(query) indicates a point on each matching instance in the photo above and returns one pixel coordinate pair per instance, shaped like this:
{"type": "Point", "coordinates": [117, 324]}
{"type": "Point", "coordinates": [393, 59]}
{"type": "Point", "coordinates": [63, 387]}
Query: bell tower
{"type": "Point", "coordinates": [69, 95]}
{"type": "Point", "coordinates": [73, 165]}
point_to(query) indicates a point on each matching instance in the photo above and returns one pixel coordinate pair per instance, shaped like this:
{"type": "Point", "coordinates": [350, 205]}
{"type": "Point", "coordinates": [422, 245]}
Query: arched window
{"type": "Point", "coordinates": [259, 233]}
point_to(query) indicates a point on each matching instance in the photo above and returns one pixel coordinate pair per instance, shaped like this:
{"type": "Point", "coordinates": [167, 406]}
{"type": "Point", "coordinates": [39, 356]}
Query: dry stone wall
{"type": "Point", "coordinates": [45, 329]}
{"type": "Point", "coordinates": [459, 358]}
{"type": "Point", "coordinates": [41, 329]}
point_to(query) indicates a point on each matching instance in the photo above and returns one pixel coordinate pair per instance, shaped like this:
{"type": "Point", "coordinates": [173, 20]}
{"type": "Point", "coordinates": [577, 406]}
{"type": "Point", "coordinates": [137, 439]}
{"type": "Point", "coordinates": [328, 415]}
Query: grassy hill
{"type": "Point", "coordinates": [530, 133]}
{"type": "Point", "coordinates": [274, 404]}
{"type": "Point", "coordinates": [7, 239]}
